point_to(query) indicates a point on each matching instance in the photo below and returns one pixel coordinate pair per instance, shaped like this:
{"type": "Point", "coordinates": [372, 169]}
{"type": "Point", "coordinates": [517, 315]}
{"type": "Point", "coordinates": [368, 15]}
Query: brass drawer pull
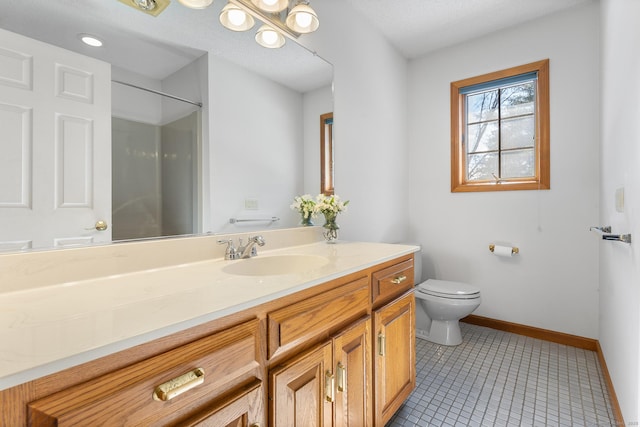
{"type": "Point", "coordinates": [399, 280]}
{"type": "Point", "coordinates": [179, 385]}
{"type": "Point", "coordinates": [329, 383]}
{"type": "Point", "coordinates": [382, 342]}
{"type": "Point", "coordinates": [341, 373]}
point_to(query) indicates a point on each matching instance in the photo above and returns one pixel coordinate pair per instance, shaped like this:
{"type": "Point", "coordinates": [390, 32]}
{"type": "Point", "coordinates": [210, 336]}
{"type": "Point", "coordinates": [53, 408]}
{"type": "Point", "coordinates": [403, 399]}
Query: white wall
{"type": "Point", "coordinates": [251, 162]}
{"type": "Point", "coordinates": [370, 127]}
{"type": "Point", "coordinates": [553, 282]}
{"type": "Point", "coordinates": [620, 263]}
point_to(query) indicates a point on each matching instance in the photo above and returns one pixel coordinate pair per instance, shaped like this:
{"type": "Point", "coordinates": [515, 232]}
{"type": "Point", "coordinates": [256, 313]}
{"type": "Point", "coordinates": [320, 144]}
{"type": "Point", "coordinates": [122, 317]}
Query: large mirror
{"type": "Point", "coordinates": [174, 167]}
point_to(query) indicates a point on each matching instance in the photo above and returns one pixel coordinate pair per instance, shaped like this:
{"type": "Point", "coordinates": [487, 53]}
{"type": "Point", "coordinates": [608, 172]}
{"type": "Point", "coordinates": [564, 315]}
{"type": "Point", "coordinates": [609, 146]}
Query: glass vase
{"type": "Point", "coordinates": [306, 221]}
{"type": "Point", "coordinates": [331, 228]}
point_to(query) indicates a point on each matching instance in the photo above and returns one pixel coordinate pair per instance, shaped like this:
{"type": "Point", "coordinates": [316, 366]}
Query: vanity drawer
{"type": "Point", "coordinates": [147, 393]}
{"type": "Point", "coordinates": [392, 281]}
{"type": "Point", "coordinates": [291, 326]}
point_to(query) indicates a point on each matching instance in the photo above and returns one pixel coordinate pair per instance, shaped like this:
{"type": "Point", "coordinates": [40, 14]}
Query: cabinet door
{"type": "Point", "coordinates": [241, 409]}
{"type": "Point", "coordinates": [352, 370]}
{"type": "Point", "coordinates": [301, 390]}
{"type": "Point", "coordinates": [394, 352]}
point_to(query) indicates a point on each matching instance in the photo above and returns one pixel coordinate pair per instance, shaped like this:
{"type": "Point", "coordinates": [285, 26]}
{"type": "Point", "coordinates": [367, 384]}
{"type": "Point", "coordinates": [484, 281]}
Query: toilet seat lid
{"type": "Point", "coordinates": [448, 289]}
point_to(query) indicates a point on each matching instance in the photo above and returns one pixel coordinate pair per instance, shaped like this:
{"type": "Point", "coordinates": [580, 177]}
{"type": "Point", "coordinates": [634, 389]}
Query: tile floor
{"type": "Point", "coordinates": [497, 378]}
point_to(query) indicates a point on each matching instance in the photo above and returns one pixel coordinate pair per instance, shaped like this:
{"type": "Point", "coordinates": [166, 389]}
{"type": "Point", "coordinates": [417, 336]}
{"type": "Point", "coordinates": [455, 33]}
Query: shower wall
{"type": "Point", "coordinates": [155, 153]}
{"type": "Point", "coordinates": [153, 178]}
{"type": "Point", "coordinates": [178, 176]}
{"type": "Point", "coordinates": [136, 180]}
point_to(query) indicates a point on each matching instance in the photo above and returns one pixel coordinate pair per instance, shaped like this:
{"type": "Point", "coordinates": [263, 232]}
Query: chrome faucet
{"type": "Point", "coordinates": [249, 250]}
{"type": "Point", "coordinates": [231, 252]}
{"type": "Point", "coordinates": [242, 251]}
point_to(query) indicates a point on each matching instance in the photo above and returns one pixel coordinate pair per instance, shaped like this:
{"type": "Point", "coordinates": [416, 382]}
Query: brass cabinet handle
{"type": "Point", "coordinates": [329, 384]}
{"type": "Point", "coordinates": [381, 344]}
{"type": "Point", "coordinates": [399, 280]}
{"type": "Point", "coordinates": [179, 385]}
{"type": "Point", "coordinates": [341, 374]}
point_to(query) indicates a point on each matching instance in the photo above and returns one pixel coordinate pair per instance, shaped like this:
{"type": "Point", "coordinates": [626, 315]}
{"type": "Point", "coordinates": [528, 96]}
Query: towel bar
{"type": "Point", "coordinates": [272, 219]}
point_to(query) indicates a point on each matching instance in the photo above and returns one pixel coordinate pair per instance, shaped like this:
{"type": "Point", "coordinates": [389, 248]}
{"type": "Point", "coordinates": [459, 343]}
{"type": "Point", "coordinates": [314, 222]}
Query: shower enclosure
{"type": "Point", "coordinates": [155, 167]}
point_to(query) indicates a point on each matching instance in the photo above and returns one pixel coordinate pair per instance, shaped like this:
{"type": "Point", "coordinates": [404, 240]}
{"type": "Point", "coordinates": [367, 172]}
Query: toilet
{"type": "Point", "coordinates": [443, 304]}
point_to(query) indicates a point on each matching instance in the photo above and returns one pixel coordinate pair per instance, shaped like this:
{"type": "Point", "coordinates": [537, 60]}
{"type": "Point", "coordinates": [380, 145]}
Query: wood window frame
{"type": "Point", "coordinates": [542, 178]}
{"type": "Point", "coordinates": [326, 154]}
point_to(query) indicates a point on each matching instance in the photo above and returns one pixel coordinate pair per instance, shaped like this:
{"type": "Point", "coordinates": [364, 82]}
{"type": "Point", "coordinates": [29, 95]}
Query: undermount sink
{"type": "Point", "coordinates": [275, 265]}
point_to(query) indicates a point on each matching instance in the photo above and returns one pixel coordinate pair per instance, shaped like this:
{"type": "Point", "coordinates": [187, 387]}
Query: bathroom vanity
{"type": "Point", "coordinates": [211, 342]}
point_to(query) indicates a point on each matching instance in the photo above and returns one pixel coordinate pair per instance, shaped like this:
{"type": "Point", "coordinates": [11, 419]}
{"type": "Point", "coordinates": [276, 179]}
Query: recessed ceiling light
{"type": "Point", "coordinates": [90, 40]}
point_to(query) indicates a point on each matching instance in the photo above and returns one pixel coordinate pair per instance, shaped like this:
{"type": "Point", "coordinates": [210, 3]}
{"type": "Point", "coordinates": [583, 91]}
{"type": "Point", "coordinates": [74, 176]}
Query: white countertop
{"type": "Point", "coordinates": [49, 328]}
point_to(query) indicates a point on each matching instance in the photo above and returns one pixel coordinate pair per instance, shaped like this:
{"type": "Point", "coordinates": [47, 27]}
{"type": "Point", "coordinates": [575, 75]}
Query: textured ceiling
{"type": "Point", "coordinates": [416, 27]}
{"type": "Point", "coordinates": [155, 46]}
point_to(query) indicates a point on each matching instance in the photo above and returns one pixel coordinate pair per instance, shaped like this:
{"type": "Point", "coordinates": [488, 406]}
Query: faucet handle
{"type": "Point", "coordinates": [230, 252]}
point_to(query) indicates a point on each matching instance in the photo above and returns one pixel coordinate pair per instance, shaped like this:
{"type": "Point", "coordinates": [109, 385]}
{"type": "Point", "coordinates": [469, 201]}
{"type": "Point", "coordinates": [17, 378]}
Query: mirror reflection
{"type": "Point", "coordinates": [161, 166]}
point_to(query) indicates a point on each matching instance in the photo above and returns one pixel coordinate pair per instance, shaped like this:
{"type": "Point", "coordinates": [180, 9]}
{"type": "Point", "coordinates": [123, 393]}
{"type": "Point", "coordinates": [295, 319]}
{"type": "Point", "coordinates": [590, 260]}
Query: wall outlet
{"type": "Point", "coordinates": [251, 204]}
{"type": "Point", "coordinates": [620, 199]}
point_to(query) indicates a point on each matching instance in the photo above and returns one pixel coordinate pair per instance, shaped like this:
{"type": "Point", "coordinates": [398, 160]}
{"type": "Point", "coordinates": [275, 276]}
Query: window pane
{"type": "Point", "coordinates": [482, 166]}
{"type": "Point", "coordinates": [518, 164]}
{"type": "Point", "coordinates": [482, 137]}
{"type": "Point", "coordinates": [517, 100]}
{"type": "Point", "coordinates": [482, 106]}
{"type": "Point", "coordinates": [518, 133]}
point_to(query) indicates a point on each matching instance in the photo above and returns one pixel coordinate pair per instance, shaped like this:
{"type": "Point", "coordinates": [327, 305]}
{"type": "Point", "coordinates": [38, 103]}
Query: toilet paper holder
{"type": "Point", "coordinates": [605, 232]}
{"type": "Point", "coordinates": [514, 250]}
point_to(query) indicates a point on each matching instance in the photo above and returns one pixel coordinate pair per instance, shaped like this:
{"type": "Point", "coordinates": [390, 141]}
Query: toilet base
{"type": "Point", "coordinates": [443, 332]}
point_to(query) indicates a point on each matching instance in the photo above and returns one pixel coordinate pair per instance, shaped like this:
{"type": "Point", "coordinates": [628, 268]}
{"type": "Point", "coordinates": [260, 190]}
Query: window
{"type": "Point", "coordinates": [500, 130]}
{"type": "Point", "coordinates": [326, 154]}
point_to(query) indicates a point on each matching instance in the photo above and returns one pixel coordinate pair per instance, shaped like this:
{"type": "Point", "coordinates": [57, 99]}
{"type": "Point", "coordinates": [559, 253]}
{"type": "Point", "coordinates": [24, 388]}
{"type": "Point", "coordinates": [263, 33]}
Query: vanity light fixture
{"type": "Point", "coordinates": [150, 7]}
{"type": "Point", "coordinates": [196, 4]}
{"type": "Point", "coordinates": [281, 18]}
{"type": "Point", "coordinates": [236, 19]}
{"type": "Point", "coordinates": [90, 40]}
{"type": "Point", "coordinates": [146, 5]}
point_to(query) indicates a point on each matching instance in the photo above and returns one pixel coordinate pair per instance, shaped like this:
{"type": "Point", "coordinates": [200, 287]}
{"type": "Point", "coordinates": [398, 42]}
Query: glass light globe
{"type": "Point", "coordinates": [271, 6]}
{"type": "Point", "coordinates": [237, 17]}
{"type": "Point", "coordinates": [303, 19]}
{"type": "Point", "coordinates": [270, 38]}
{"type": "Point", "coordinates": [196, 4]}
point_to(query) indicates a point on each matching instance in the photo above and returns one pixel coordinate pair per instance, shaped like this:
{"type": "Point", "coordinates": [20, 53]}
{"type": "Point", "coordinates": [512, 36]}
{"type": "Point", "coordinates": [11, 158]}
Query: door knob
{"type": "Point", "coordinates": [100, 226]}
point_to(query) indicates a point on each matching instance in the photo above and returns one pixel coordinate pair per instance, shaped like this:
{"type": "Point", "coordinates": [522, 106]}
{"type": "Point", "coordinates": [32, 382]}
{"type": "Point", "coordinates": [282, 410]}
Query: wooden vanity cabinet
{"type": "Point", "coordinates": [362, 385]}
{"type": "Point", "coordinates": [341, 353]}
{"type": "Point", "coordinates": [329, 385]}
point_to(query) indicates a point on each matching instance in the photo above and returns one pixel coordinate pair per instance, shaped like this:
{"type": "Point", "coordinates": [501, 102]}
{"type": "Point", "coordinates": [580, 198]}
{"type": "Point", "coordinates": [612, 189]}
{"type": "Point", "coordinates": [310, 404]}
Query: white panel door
{"type": "Point", "coordinates": [55, 145]}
